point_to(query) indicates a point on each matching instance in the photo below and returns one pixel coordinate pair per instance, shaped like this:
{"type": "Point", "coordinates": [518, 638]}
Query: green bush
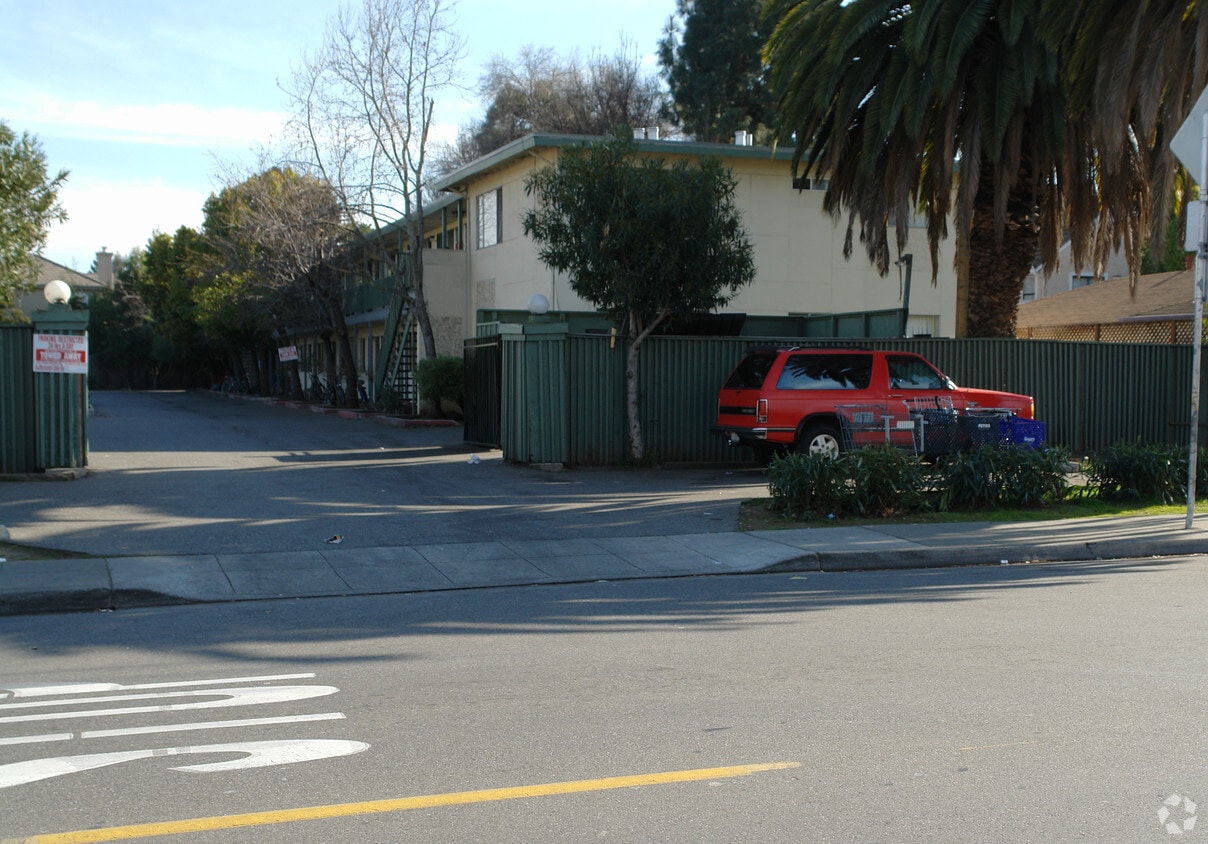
{"type": "Point", "coordinates": [967, 480]}
{"type": "Point", "coordinates": [440, 379]}
{"type": "Point", "coordinates": [1140, 472]}
{"type": "Point", "coordinates": [1033, 477]}
{"type": "Point", "coordinates": [1003, 476]}
{"type": "Point", "coordinates": [874, 481]}
{"type": "Point", "coordinates": [884, 481]}
{"type": "Point", "coordinates": [805, 485]}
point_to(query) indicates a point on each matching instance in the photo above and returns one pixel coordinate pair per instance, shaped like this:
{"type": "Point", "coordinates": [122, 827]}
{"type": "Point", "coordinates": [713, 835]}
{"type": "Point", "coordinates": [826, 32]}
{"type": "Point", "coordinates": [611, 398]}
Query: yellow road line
{"type": "Point", "coordinates": [401, 804]}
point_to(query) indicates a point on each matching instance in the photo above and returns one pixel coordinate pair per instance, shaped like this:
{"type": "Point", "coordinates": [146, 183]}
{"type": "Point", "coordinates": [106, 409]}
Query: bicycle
{"type": "Point", "coordinates": [315, 392]}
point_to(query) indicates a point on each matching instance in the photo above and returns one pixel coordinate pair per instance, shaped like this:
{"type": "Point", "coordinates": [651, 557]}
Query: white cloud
{"type": "Point", "coordinates": [164, 124]}
{"type": "Point", "coordinates": [118, 216]}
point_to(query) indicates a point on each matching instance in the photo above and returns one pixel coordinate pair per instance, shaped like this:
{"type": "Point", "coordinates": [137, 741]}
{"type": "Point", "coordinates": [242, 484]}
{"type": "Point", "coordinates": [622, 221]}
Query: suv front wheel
{"type": "Point", "coordinates": [819, 438]}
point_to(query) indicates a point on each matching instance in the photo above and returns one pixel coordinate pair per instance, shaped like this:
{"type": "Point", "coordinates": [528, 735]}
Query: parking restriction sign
{"type": "Point", "coordinates": [63, 353]}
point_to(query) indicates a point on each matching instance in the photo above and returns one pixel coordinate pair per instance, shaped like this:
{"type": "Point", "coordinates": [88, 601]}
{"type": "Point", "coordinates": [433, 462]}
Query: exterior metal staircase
{"type": "Point", "coordinates": [394, 381]}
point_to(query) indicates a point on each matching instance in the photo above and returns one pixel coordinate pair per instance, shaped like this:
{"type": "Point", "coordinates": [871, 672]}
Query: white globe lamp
{"type": "Point", "coordinates": [57, 292]}
{"type": "Point", "coordinates": [538, 305]}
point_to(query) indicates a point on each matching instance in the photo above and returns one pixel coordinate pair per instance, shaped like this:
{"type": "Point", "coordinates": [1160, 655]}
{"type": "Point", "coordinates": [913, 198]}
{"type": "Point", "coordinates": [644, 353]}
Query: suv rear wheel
{"type": "Point", "coordinates": [819, 438]}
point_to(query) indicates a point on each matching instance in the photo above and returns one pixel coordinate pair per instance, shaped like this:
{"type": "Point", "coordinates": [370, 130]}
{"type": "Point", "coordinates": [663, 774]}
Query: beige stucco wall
{"type": "Point", "coordinates": [446, 292]}
{"type": "Point", "coordinates": [798, 253]}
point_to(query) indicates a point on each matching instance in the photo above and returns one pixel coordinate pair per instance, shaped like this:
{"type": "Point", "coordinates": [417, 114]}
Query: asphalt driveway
{"type": "Point", "coordinates": [185, 473]}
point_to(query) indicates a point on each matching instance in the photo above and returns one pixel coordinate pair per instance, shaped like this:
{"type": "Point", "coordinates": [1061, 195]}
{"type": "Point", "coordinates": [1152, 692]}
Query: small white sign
{"type": "Point", "coordinates": [1188, 142]}
{"type": "Point", "coordinates": [62, 353]}
{"type": "Point", "coordinates": [287, 353]}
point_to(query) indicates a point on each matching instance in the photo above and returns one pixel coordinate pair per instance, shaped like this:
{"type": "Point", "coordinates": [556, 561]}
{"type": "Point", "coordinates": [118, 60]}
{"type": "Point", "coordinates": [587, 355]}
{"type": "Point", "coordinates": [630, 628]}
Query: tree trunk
{"type": "Point", "coordinates": [632, 399]}
{"type": "Point", "coordinates": [998, 266]}
{"type": "Point", "coordinates": [347, 363]}
{"type": "Point", "coordinates": [633, 391]}
{"type": "Point", "coordinates": [417, 284]}
{"type": "Point", "coordinates": [329, 366]}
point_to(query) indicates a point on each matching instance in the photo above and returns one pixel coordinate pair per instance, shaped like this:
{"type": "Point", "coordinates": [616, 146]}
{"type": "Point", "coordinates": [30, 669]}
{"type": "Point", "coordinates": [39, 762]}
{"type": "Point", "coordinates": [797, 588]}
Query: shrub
{"type": "Point", "coordinates": [804, 485]}
{"type": "Point", "coordinates": [1003, 476]}
{"type": "Point", "coordinates": [884, 481]}
{"type": "Point", "coordinates": [967, 480]}
{"type": "Point", "coordinates": [1140, 472]}
{"type": "Point", "coordinates": [440, 379]}
{"type": "Point", "coordinates": [1031, 477]}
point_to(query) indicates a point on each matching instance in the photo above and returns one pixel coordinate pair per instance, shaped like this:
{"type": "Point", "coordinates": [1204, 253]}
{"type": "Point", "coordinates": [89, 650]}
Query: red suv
{"type": "Point", "coordinates": [829, 400]}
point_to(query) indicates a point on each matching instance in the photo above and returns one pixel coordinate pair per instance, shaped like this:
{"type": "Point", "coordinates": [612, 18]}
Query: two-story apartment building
{"type": "Point", "coordinates": [798, 248]}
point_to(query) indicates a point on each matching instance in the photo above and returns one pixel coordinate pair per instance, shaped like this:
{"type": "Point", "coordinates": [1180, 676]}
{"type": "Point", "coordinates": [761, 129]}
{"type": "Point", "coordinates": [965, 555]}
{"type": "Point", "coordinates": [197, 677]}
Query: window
{"type": "Point", "coordinates": [914, 374]}
{"type": "Point", "coordinates": [751, 371]}
{"type": "Point", "coordinates": [490, 221]}
{"type": "Point", "coordinates": [826, 372]}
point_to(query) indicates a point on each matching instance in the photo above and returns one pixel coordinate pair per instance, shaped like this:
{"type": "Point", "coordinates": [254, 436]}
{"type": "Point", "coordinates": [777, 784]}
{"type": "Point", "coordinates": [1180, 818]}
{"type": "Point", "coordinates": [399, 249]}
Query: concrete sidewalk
{"type": "Point", "coordinates": [35, 586]}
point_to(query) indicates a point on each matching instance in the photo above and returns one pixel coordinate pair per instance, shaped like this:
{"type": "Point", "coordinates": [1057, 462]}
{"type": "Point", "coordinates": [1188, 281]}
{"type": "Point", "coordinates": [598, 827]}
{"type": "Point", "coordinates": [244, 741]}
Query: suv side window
{"type": "Point", "coordinates": [913, 374]}
{"type": "Point", "coordinates": [751, 371]}
{"type": "Point", "coordinates": [806, 371]}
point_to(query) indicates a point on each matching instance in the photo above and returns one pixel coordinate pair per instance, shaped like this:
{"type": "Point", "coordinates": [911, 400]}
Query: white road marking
{"type": "Point", "coordinates": [197, 694]}
{"type": "Point", "coordinates": [37, 739]}
{"type": "Point", "coordinates": [90, 688]}
{"type": "Point", "coordinates": [174, 728]}
{"type": "Point", "coordinates": [260, 754]}
{"type": "Point", "coordinates": [214, 725]}
{"type": "Point", "coordinates": [232, 697]}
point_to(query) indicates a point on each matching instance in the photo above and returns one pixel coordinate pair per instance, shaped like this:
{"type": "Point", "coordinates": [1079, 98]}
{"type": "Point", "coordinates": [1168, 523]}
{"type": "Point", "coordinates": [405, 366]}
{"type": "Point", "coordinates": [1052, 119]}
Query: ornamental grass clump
{"type": "Point", "coordinates": [1140, 472]}
{"type": "Point", "coordinates": [1003, 476]}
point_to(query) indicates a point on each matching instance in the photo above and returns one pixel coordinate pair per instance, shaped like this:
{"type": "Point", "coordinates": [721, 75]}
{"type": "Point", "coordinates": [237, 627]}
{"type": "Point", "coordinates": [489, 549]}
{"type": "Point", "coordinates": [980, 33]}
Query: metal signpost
{"type": "Point", "coordinates": [1190, 146]}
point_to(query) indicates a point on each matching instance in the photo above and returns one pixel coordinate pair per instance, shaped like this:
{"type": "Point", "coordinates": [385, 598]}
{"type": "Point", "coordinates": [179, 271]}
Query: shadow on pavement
{"type": "Point", "coordinates": [320, 629]}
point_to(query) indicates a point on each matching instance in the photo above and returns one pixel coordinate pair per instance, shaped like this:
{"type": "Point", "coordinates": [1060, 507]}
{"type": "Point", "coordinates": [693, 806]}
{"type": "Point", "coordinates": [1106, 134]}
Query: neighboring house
{"type": "Point", "coordinates": [83, 285]}
{"type": "Point", "coordinates": [800, 268]}
{"type": "Point", "coordinates": [1160, 310]}
{"type": "Point", "coordinates": [1040, 285]}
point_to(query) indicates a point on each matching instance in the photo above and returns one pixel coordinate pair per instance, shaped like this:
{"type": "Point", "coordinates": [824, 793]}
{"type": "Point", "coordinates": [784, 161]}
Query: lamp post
{"type": "Point", "coordinates": [61, 381]}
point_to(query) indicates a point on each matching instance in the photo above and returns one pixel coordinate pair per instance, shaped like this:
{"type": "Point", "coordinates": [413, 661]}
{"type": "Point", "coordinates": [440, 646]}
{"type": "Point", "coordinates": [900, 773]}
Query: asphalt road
{"type": "Point", "coordinates": [181, 473]}
{"type": "Point", "coordinates": [1008, 704]}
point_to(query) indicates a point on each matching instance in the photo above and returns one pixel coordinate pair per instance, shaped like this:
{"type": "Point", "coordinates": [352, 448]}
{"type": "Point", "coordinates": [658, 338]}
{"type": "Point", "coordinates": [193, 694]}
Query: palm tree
{"type": "Point", "coordinates": [950, 109]}
{"type": "Point", "coordinates": [1133, 69]}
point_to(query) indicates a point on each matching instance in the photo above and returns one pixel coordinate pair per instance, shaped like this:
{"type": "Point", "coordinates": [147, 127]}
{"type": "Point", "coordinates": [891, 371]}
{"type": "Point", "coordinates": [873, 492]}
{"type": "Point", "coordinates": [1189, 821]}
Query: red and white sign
{"type": "Point", "coordinates": [65, 353]}
{"type": "Point", "coordinates": [287, 353]}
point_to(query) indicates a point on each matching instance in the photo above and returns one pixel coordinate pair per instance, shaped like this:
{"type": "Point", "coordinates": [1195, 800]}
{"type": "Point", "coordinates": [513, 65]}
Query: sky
{"type": "Point", "coordinates": [146, 103]}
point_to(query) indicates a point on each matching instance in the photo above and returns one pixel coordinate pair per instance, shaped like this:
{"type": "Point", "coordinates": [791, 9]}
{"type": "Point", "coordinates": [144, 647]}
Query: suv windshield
{"type": "Point", "coordinates": [751, 371]}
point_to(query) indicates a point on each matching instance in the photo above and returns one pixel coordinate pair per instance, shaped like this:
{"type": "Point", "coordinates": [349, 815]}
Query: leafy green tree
{"type": "Point", "coordinates": [165, 275]}
{"type": "Point", "coordinates": [953, 110]}
{"type": "Point", "coordinates": [642, 240]}
{"type": "Point", "coordinates": [1173, 256]}
{"type": "Point", "coordinates": [711, 59]}
{"type": "Point", "coordinates": [120, 329]}
{"type": "Point", "coordinates": [29, 205]}
{"type": "Point", "coordinates": [280, 245]}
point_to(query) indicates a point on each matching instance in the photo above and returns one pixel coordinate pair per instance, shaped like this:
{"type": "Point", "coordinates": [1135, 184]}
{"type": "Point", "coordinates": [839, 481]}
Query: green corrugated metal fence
{"type": "Point", "coordinates": [535, 422]}
{"type": "Point", "coordinates": [564, 399]}
{"type": "Point", "coordinates": [43, 416]}
{"type": "Point", "coordinates": [18, 440]}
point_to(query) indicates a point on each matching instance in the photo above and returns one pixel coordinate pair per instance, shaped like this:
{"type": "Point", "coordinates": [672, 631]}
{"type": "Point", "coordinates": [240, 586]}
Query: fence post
{"type": "Point", "coordinates": [60, 394]}
{"type": "Point", "coordinates": [534, 420]}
